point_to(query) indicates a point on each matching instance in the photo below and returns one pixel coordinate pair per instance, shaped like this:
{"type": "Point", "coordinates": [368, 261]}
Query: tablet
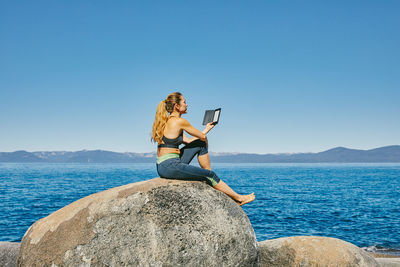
{"type": "Point", "coordinates": [211, 116]}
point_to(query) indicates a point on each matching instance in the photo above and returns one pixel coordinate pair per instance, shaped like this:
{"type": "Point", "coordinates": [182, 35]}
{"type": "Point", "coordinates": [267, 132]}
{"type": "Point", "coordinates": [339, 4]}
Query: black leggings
{"type": "Point", "coordinates": [176, 166]}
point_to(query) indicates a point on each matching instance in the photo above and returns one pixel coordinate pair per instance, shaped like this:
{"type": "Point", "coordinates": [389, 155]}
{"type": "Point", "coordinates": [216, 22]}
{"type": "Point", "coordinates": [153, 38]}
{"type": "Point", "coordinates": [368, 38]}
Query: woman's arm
{"type": "Point", "coordinates": [189, 127]}
{"type": "Point", "coordinates": [185, 125]}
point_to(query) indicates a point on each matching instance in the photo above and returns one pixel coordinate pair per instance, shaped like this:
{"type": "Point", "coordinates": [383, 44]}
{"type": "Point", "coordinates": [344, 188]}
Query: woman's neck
{"type": "Point", "coordinates": [175, 114]}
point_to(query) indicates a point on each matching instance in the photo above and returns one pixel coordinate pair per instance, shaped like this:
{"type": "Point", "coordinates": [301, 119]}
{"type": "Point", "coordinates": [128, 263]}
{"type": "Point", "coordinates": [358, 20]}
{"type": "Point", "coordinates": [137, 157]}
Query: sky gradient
{"type": "Point", "coordinates": [290, 76]}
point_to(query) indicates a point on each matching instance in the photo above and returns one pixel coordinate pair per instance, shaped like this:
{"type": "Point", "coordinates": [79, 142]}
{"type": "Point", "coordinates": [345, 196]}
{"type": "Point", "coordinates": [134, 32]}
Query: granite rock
{"type": "Point", "coordinates": [8, 254]}
{"type": "Point", "coordinates": [159, 222]}
{"type": "Point", "coordinates": [307, 251]}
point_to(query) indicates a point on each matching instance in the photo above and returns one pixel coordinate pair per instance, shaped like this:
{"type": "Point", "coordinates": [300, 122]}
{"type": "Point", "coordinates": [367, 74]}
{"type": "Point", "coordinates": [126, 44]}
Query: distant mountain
{"type": "Point", "coordinates": [338, 154]}
{"type": "Point", "coordinates": [83, 156]}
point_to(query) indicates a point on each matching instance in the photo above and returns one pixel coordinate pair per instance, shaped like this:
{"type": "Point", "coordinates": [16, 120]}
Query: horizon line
{"type": "Point", "coordinates": [22, 150]}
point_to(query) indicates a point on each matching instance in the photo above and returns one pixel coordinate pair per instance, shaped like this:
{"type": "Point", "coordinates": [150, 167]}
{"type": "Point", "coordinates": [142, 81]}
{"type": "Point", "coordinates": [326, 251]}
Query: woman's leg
{"type": "Point", "coordinates": [204, 161]}
{"type": "Point", "coordinates": [196, 147]}
{"type": "Point", "coordinates": [200, 147]}
{"type": "Point", "coordinates": [186, 171]}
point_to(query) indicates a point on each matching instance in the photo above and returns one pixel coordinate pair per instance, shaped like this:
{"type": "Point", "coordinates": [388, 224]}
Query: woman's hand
{"type": "Point", "coordinates": [209, 126]}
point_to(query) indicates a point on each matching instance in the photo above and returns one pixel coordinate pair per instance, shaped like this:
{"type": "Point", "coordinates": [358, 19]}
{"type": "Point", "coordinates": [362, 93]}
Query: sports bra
{"type": "Point", "coordinates": [172, 143]}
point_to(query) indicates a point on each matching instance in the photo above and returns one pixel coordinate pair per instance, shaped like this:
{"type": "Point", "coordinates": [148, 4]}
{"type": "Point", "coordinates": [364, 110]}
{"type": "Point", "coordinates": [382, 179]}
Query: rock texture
{"type": "Point", "coordinates": [158, 222]}
{"type": "Point", "coordinates": [388, 262]}
{"type": "Point", "coordinates": [8, 254]}
{"type": "Point", "coordinates": [315, 251]}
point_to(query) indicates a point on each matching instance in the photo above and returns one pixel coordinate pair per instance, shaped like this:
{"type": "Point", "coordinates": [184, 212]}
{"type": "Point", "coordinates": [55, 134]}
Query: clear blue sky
{"type": "Point", "coordinates": [290, 76]}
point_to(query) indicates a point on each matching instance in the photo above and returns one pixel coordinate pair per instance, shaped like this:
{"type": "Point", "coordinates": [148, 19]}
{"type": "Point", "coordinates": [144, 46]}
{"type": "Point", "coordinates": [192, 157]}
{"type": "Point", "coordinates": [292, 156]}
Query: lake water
{"type": "Point", "coordinates": [358, 203]}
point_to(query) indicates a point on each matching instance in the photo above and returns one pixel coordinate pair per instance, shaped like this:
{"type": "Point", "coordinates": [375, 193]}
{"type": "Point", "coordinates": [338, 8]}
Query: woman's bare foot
{"type": "Point", "coordinates": [240, 199]}
{"type": "Point", "coordinates": [243, 199]}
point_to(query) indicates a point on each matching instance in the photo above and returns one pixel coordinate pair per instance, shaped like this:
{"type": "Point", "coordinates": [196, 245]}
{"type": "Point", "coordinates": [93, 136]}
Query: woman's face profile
{"type": "Point", "coordinates": [182, 107]}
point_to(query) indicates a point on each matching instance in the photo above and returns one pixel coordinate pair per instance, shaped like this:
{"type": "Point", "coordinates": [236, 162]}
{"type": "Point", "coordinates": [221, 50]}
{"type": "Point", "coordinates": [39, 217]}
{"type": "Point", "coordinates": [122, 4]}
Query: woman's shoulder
{"type": "Point", "coordinates": [178, 121]}
{"type": "Point", "coordinates": [174, 126]}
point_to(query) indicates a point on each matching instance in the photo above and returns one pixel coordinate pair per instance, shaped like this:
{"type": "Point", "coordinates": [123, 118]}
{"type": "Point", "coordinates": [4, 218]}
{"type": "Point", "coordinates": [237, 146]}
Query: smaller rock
{"type": "Point", "coordinates": [388, 262]}
{"type": "Point", "coordinates": [310, 251]}
{"type": "Point", "coordinates": [8, 254]}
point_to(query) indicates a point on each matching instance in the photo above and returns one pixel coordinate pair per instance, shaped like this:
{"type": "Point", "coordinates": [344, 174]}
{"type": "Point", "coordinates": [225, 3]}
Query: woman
{"type": "Point", "coordinates": [173, 162]}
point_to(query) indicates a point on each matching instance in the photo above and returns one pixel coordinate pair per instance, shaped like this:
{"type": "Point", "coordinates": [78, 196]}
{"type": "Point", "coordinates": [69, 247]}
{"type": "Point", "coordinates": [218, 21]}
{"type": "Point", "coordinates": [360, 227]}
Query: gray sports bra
{"type": "Point", "coordinates": [172, 143]}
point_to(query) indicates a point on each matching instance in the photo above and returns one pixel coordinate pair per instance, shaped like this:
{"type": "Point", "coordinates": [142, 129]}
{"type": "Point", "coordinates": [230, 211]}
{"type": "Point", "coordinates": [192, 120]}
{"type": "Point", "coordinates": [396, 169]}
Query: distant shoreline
{"type": "Point", "coordinates": [387, 154]}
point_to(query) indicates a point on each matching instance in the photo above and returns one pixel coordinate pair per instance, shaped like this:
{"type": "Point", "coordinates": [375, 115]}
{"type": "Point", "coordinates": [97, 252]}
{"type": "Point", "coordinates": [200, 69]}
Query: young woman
{"type": "Point", "coordinates": [173, 162]}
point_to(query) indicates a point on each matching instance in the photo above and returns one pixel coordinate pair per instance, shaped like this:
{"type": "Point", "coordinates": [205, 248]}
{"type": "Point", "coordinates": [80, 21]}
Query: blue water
{"type": "Point", "coordinates": [358, 203]}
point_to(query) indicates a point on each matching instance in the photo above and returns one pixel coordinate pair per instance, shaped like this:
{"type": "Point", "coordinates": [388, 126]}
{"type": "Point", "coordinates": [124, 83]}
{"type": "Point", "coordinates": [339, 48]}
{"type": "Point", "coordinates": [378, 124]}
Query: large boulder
{"type": "Point", "coordinates": [8, 254]}
{"type": "Point", "coordinates": [158, 222]}
{"type": "Point", "coordinates": [310, 251]}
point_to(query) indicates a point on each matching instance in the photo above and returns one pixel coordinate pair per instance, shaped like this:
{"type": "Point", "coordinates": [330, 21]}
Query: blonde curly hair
{"type": "Point", "coordinates": [163, 108]}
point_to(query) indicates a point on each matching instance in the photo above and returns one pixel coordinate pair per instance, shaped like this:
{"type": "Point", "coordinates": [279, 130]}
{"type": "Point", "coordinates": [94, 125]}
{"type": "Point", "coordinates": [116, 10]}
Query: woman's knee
{"type": "Point", "coordinates": [213, 179]}
{"type": "Point", "coordinates": [203, 147]}
{"type": "Point", "coordinates": [198, 143]}
{"type": "Point", "coordinates": [200, 147]}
